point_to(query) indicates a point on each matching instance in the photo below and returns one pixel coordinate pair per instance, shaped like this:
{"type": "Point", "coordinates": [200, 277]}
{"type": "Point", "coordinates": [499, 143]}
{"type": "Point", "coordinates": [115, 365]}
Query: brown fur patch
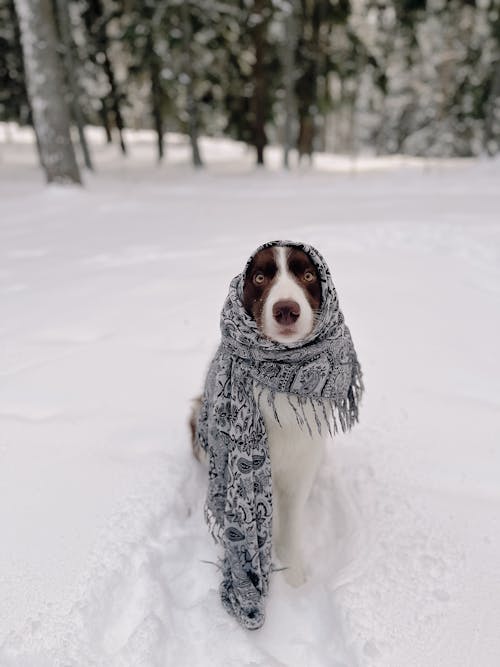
{"type": "Point", "coordinates": [254, 295]}
{"type": "Point", "coordinates": [193, 419]}
{"type": "Point", "coordinates": [299, 264]}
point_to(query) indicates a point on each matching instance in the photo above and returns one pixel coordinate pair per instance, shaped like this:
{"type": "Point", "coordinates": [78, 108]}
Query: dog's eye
{"type": "Point", "coordinates": [259, 278]}
{"type": "Point", "coordinates": [309, 276]}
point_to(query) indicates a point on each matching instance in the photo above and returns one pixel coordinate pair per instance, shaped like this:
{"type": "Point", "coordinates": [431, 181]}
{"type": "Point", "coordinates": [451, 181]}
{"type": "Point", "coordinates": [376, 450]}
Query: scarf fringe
{"type": "Point", "coordinates": [342, 416]}
{"type": "Point", "coordinates": [215, 529]}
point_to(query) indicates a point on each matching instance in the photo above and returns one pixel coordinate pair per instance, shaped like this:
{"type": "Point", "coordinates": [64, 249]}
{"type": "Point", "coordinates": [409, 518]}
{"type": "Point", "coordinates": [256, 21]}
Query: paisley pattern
{"type": "Point", "coordinates": [323, 370]}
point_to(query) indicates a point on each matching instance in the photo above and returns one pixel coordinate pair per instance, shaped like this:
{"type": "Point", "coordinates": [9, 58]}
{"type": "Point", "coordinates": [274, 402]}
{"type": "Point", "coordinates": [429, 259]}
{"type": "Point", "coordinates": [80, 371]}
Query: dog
{"type": "Point", "coordinates": [282, 293]}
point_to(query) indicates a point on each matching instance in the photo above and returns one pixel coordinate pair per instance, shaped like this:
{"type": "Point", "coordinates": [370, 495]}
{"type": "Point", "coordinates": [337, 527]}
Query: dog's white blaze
{"type": "Point", "coordinates": [286, 287]}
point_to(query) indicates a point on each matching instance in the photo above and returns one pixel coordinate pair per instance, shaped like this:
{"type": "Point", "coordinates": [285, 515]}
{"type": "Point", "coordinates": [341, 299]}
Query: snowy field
{"type": "Point", "coordinates": [109, 305]}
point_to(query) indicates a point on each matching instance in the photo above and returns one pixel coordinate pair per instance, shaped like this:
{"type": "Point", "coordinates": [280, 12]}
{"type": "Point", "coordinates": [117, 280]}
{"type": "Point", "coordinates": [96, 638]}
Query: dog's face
{"type": "Point", "coordinates": [282, 292]}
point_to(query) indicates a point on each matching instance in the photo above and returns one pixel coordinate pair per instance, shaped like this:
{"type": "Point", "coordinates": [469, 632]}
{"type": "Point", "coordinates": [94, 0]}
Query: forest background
{"type": "Point", "coordinates": [419, 77]}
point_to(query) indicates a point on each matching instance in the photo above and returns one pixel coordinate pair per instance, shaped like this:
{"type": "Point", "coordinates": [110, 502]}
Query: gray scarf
{"type": "Point", "coordinates": [321, 370]}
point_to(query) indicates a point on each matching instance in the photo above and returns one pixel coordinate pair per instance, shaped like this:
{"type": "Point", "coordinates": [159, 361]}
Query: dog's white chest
{"type": "Point", "coordinates": [295, 455]}
{"type": "Point", "coordinates": [294, 452]}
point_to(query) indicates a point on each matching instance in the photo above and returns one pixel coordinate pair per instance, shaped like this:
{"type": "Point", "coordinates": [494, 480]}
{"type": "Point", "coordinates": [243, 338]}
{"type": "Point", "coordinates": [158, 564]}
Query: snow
{"type": "Point", "coordinates": [109, 301]}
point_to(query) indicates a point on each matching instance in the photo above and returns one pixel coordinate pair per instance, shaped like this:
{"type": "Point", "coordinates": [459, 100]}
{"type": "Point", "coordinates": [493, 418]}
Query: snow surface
{"type": "Point", "coordinates": [109, 303]}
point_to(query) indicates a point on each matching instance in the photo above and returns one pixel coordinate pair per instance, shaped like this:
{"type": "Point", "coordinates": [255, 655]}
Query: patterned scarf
{"type": "Point", "coordinates": [322, 370]}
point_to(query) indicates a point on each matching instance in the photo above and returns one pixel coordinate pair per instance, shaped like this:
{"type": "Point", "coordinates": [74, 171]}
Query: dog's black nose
{"type": "Point", "coordinates": [286, 312]}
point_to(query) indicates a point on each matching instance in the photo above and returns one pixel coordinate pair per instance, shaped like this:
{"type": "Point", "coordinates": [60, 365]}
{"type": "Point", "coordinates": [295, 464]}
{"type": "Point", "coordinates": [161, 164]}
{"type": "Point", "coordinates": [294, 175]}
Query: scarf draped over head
{"type": "Point", "coordinates": [321, 370]}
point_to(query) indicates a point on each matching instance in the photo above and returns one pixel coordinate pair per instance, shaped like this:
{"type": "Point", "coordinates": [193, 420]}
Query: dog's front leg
{"type": "Point", "coordinates": [294, 462]}
{"type": "Point", "coordinates": [287, 528]}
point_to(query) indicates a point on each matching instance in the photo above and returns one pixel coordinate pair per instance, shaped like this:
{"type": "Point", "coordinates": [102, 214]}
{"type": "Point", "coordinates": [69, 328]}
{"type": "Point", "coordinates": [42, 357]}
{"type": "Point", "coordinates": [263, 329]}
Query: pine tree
{"type": "Point", "coordinates": [65, 31]}
{"type": "Point", "coordinates": [14, 103]}
{"type": "Point", "coordinates": [97, 14]}
{"type": "Point", "coordinates": [316, 59]}
{"type": "Point", "coordinates": [253, 74]}
{"type": "Point", "coordinates": [290, 32]}
{"type": "Point", "coordinates": [188, 75]}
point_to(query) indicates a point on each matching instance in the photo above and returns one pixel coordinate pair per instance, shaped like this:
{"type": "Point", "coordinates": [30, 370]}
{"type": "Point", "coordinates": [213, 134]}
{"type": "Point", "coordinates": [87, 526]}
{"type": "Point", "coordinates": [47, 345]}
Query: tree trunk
{"type": "Point", "coordinates": [192, 110]}
{"type": "Point", "coordinates": [307, 87]}
{"type": "Point", "coordinates": [156, 97]}
{"type": "Point", "coordinates": [259, 82]}
{"type": "Point", "coordinates": [306, 134]}
{"type": "Point", "coordinates": [29, 119]}
{"type": "Point", "coordinates": [115, 100]}
{"type": "Point", "coordinates": [105, 120]}
{"type": "Point", "coordinates": [67, 40]}
{"type": "Point", "coordinates": [157, 108]}
{"type": "Point", "coordinates": [110, 104]}
{"type": "Point", "coordinates": [45, 90]}
{"type": "Point", "coordinates": [289, 81]}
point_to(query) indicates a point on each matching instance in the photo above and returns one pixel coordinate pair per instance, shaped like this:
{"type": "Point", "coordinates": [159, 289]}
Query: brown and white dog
{"type": "Point", "coordinates": [282, 293]}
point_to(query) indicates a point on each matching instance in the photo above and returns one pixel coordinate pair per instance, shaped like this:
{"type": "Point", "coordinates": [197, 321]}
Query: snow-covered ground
{"type": "Point", "coordinates": [109, 305]}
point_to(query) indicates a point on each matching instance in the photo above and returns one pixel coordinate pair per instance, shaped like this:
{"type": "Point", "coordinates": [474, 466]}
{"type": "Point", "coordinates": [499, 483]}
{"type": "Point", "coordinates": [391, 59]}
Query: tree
{"type": "Point", "coordinates": [492, 122]}
{"type": "Point", "coordinates": [253, 73]}
{"type": "Point", "coordinates": [96, 17]}
{"type": "Point", "coordinates": [188, 75]}
{"type": "Point", "coordinates": [45, 89]}
{"type": "Point", "coordinates": [260, 88]}
{"type": "Point", "coordinates": [289, 75]}
{"type": "Point", "coordinates": [316, 58]}
{"type": "Point", "coordinates": [145, 63]}
{"type": "Point", "coordinates": [13, 96]}
{"type": "Point", "coordinates": [65, 30]}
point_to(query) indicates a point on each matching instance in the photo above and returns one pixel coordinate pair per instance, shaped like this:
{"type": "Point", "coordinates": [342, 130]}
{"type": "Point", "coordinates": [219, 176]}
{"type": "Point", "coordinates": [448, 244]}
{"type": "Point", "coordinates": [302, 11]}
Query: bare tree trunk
{"type": "Point", "coordinates": [156, 97]}
{"type": "Point", "coordinates": [157, 107]}
{"type": "Point", "coordinates": [289, 81]}
{"type": "Point", "coordinates": [115, 100]}
{"type": "Point", "coordinates": [259, 83]}
{"type": "Point", "coordinates": [67, 40]}
{"type": "Point", "coordinates": [307, 131]}
{"type": "Point", "coordinates": [105, 120]}
{"type": "Point", "coordinates": [17, 32]}
{"type": "Point", "coordinates": [307, 89]}
{"type": "Point", "coordinates": [110, 103]}
{"type": "Point", "coordinates": [187, 36]}
{"type": "Point", "coordinates": [45, 86]}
